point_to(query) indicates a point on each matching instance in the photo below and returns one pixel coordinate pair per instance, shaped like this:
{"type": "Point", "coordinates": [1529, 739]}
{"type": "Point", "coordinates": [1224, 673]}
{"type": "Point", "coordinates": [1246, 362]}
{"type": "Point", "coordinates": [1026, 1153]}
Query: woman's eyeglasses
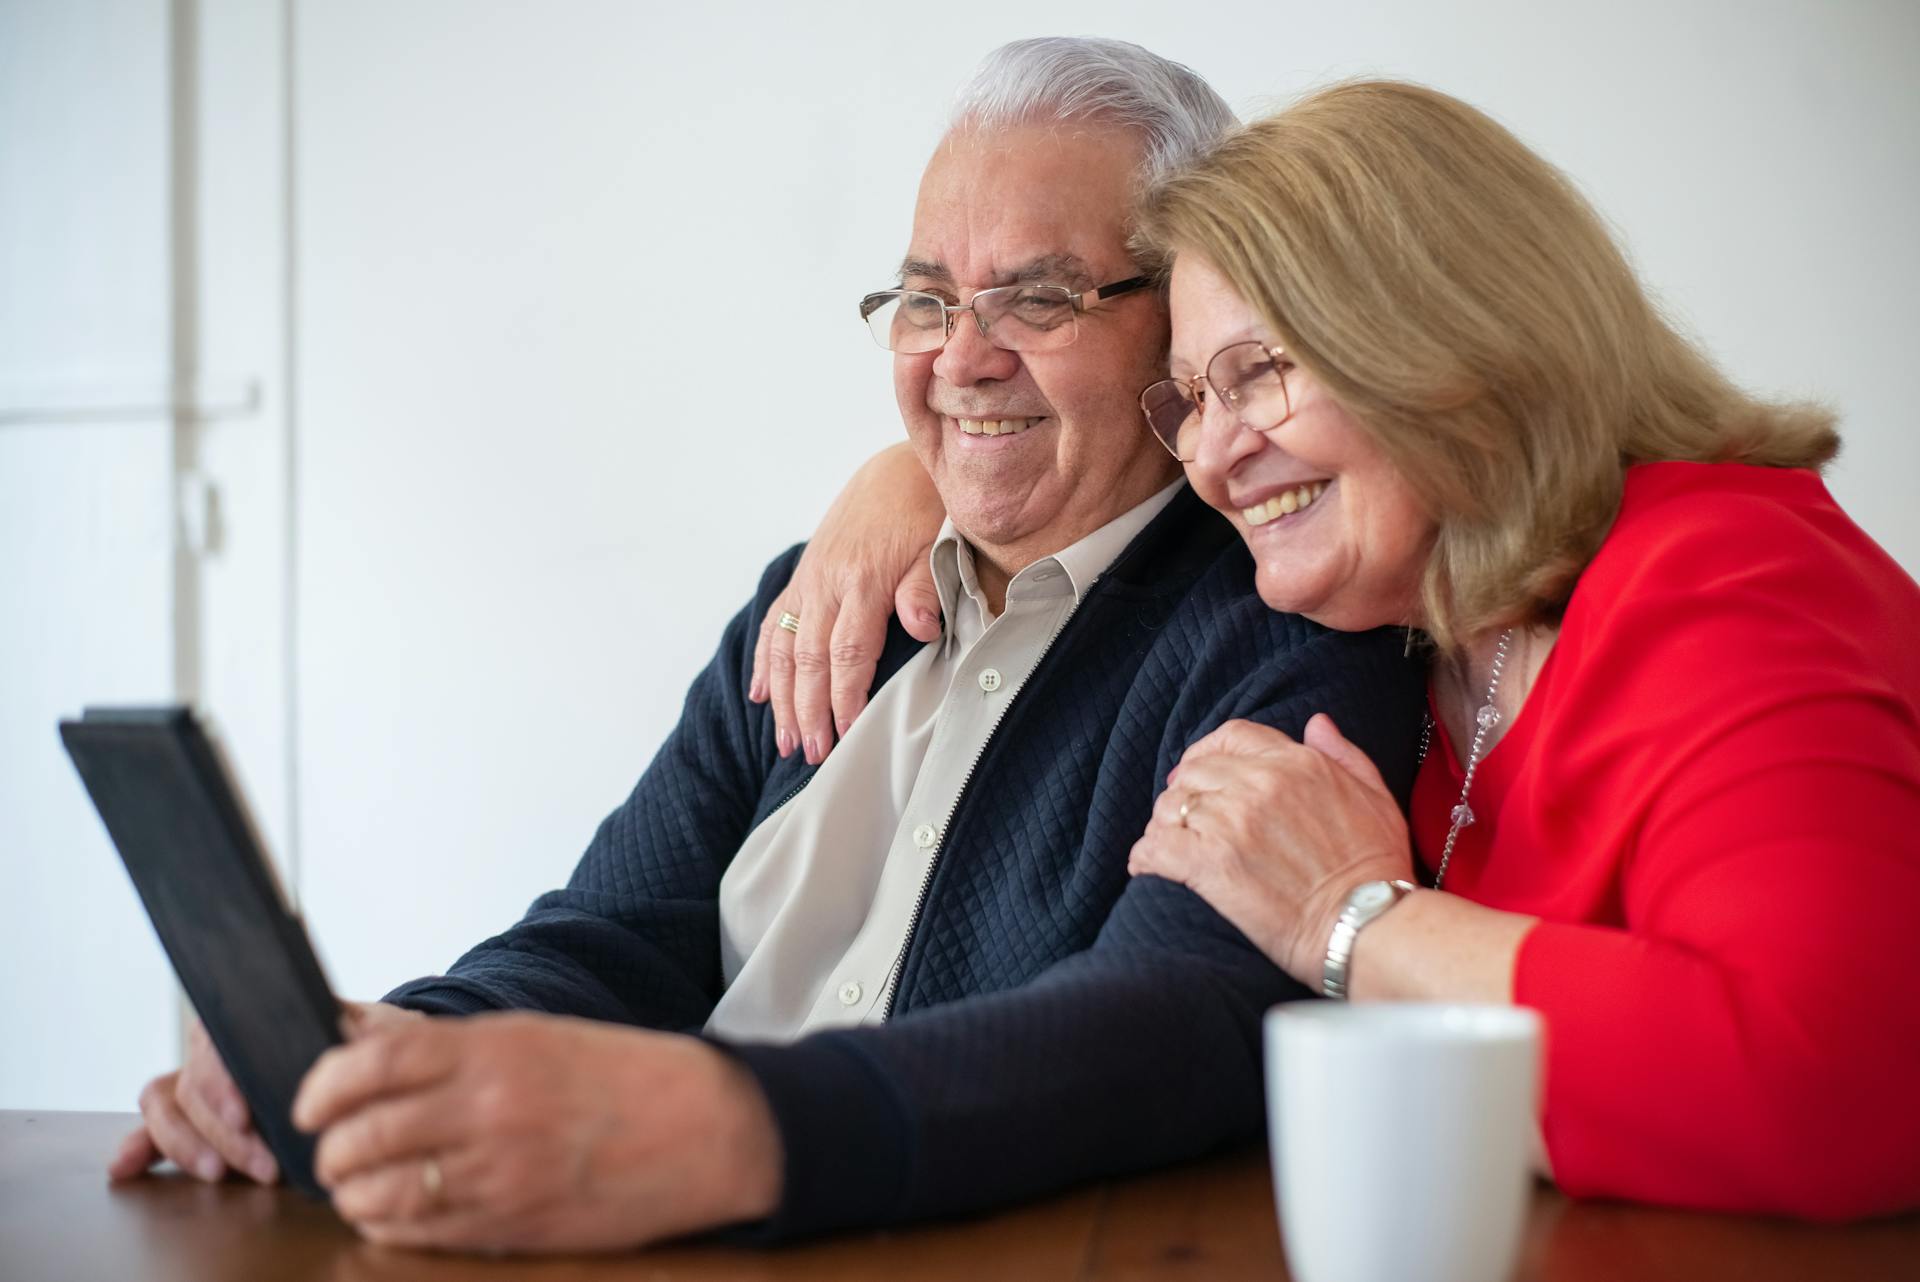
{"type": "Point", "coordinates": [1250, 377]}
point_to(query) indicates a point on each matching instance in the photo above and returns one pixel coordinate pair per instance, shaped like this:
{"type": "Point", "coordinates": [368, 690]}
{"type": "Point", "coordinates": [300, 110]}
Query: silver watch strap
{"type": "Point", "coordinates": [1346, 930]}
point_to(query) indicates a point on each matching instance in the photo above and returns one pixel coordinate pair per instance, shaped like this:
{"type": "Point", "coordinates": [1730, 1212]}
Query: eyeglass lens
{"type": "Point", "coordinates": [1019, 318]}
{"type": "Point", "coordinates": [1246, 375]}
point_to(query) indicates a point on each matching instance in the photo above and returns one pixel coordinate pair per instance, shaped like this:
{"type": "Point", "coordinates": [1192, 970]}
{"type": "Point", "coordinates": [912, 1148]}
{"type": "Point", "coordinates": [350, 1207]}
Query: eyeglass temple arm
{"type": "Point", "coordinates": [1112, 290]}
{"type": "Point", "coordinates": [1122, 286]}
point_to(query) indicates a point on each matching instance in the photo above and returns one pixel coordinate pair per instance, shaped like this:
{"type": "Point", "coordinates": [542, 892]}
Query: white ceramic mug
{"type": "Point", "coordinates": [1402, 1135]}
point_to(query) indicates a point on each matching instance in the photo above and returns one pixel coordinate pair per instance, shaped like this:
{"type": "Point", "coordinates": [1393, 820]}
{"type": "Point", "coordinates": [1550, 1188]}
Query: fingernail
{"type": "Point", "coordinates": [813, 751]}
{"type": "Point", "coordinates": [208, 1167]}
{"type": "Point", "coordinates": [785, 743]}
{"type": "Point", "coordinates": [757, 692]}
{"type": "Point", "coordinates": [262, 1168]}
{"type": "Point", "coordinates": [929, 619]}
{"type": "Point", "coordinates": [839, 728]}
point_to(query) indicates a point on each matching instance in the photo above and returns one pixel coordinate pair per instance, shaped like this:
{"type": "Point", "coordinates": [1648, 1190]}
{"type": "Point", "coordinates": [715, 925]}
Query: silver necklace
{"type": "Point", "coordinates": [1484, 721]}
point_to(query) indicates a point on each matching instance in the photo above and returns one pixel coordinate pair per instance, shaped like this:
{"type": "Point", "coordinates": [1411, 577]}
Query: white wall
{"type": "Point", "coordinates": [610, 367]}
{"type": "Point", "coordinates": [566, 349]}
{"type": "Point", "coordinates": [241, 340]}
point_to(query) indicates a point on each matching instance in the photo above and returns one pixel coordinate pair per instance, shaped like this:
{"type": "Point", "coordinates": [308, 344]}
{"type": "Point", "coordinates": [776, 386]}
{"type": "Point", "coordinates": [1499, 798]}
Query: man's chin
{"type": "Point", "coordinates": [988, 520]}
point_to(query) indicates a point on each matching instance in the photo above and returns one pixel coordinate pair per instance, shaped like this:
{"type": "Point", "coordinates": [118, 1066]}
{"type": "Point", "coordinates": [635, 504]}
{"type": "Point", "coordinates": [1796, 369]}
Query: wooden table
{"type": "Point", "coordinates": [1212, 1221]}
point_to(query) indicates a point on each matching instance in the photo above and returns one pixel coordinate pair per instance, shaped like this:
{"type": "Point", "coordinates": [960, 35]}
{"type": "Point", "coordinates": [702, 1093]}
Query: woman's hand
{"type": "Point", "coordinates": [1276, 834]}
{"type": "Point", "coordinates": [867, 560]}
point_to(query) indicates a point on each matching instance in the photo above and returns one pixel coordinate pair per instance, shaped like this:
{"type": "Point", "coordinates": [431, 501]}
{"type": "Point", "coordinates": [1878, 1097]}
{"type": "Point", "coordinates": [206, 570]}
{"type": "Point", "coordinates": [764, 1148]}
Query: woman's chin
{"type": "Point", "coordinates": [1330, 604]}
{"type": "Point", "coordinates": [1286, 592]}
{"type": "Point", "coordinates": [1341, 611]}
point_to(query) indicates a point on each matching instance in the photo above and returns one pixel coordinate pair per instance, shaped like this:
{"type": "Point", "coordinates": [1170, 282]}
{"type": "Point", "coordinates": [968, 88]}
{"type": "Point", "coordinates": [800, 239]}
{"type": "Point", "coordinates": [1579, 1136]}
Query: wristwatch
{"type": "Point", "coordinates": [1365, 902]}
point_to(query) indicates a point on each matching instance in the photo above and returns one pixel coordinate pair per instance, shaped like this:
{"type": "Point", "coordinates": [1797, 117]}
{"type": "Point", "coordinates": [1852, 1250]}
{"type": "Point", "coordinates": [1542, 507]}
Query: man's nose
{"type": "Point", "coordinates": [968, 357]}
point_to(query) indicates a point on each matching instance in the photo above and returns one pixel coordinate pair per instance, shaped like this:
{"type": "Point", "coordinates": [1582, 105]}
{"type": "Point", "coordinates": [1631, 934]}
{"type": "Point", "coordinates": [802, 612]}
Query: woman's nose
{"type": "Point", "coordinates": [1224, 440]}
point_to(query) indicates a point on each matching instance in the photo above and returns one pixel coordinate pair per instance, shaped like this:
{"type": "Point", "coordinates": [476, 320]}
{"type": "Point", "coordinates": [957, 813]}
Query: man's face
{"type": "Point", "coordinates": [1043, 205]}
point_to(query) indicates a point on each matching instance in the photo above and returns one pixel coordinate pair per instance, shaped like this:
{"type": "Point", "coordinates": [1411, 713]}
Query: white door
{"type": "Point", "coordinates": [86, 551]}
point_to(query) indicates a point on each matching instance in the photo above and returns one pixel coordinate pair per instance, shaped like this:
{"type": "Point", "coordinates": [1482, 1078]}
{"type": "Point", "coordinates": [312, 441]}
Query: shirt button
{"type": "Point", "coordinates": [990, 679]}
{"type": "Point", "coordinates": [923, 836]}
{"type": "Point", "coordinates": [849, 994]}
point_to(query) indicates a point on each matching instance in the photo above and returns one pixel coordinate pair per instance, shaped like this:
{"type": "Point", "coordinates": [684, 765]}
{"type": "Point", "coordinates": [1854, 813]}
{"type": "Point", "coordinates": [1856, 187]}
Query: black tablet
{"type": "Point", "coordinates": [176, 817]}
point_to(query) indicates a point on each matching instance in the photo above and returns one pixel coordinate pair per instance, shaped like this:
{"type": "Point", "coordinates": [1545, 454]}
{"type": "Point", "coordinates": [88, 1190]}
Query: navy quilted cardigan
{"type": "Point", "coordinates": [1053, 1020]}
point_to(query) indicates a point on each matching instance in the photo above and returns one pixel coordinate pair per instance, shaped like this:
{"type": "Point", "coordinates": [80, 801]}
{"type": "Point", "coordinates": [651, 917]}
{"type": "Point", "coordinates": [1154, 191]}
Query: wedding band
{"type": "Point", "coordinates": [432, 1181]}
{"type": "Point", "coordinates": [1186, 808]}
{"type": "Point", "coordinates": [790, 621]}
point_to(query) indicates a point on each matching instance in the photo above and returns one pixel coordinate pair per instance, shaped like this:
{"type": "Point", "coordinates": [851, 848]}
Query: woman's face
{"type": "Point", "coordinates": [1352, 557]}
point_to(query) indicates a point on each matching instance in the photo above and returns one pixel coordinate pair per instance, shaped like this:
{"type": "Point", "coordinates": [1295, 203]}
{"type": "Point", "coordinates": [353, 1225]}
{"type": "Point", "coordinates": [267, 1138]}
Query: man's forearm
{"type": "Point", "coordinates": [563, 961]}
{"type": "Point", "coordinates": [1115, 1061]}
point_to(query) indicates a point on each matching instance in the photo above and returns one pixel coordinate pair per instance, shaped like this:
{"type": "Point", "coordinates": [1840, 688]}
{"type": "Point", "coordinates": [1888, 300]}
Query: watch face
{"type": "Point", "coordinates": [1374, 894]}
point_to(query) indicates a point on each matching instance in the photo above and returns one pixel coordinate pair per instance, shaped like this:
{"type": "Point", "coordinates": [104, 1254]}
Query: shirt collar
{"type": "Point", "coordinates": [1083, 561]}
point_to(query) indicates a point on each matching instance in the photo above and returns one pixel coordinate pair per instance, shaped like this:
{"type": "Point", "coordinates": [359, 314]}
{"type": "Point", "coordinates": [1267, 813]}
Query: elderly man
{"type": "Point", "coordinates": [912, 979]}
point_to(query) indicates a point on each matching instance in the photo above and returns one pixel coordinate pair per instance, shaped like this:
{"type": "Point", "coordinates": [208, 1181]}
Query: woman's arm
{"type": "Point", "coordinates": [1436, 947]}
{"type": "Point", "coordinates": [867, 559]}
{"type": "Point", "coordinates": [1275, 834]}
{"type": "Point", "coordinates": [1749, 1040]}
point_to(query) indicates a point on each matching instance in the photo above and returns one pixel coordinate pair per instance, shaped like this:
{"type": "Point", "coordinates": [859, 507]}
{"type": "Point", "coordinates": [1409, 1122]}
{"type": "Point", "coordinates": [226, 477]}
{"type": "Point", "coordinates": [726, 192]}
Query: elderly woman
{"type": "Point", "coordinates": [1671, 788]}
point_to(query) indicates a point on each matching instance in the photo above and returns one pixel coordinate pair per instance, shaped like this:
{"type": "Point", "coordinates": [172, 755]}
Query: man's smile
{"type": "Point", "coordinates": [981, 431]}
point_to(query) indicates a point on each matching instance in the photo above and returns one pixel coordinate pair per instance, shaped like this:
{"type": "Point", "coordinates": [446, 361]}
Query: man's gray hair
{"type": "Point", "coordinates": [1176, 113]}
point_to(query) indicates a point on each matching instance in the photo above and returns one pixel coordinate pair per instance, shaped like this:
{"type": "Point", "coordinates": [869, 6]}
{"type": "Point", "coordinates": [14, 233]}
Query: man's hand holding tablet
{"type": "Point", "coordinates": [197, 1118]}
{"type": "Point", "coordinates": [519, 1131]}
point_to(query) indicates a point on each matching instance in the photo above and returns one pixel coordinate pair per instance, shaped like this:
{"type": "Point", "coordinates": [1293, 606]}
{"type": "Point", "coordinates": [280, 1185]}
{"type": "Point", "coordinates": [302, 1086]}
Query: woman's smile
{"type": "Point", "coordinates": [1285, 501]}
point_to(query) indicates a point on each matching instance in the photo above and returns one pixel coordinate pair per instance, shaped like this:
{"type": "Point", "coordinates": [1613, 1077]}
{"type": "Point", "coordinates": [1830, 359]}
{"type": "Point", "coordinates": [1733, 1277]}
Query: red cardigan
{"type": "Point", "coordinates": [1711, 798]}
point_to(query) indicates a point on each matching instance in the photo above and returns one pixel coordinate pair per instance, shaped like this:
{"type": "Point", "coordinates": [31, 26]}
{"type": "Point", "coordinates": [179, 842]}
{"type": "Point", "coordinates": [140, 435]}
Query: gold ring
{"type": "Point", "coordinates": [432, 1181]}
{"type": "Point", "coordinates": [790, 621]}
{"type": "Point", "coordinates": [1186, 808]}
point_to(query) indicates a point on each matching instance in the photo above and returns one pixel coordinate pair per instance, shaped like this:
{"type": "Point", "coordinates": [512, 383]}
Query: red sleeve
{"type": "Point", "coordinates": [1750, 1040]}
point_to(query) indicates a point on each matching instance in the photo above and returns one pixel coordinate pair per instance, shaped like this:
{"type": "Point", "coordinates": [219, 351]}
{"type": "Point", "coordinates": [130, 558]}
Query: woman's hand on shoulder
{"type": "Point", "coordinates": [1275, 834]}
{"type": "Point", "coordinates": [867, 560]}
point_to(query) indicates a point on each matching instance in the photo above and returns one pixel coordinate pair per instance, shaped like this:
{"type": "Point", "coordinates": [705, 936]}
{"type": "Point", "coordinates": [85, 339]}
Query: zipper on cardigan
{"type": "Point", "coordinates": [797, 790]}
{"type": "Point", "coordinates": [933, 862]}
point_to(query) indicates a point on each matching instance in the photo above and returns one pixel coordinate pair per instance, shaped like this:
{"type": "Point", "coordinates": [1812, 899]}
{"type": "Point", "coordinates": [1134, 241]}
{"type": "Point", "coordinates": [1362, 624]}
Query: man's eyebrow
{"type": "Point", "coordinates": [1053, 269]}
{"type": "Point", "coordinates": [1048, 269]}
{"type": "Point", "coordinates": [924, 269]}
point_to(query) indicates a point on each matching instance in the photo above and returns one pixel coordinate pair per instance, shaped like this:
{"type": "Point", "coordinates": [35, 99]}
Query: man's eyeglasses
{"type": "Point", "coordinates": [1019, 318]}
{"type": "Point", "coordinates": [1249, 377]}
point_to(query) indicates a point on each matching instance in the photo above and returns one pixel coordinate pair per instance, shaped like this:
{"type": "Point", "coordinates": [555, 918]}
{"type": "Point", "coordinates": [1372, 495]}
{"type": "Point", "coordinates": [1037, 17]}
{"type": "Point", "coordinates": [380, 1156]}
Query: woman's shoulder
{"type": "Point", "coordinates": [1689, 526]}
{"type": "Point", "coordinates": [1716, 502]}
{"type": "Point", "coordinates": [1712, 568]}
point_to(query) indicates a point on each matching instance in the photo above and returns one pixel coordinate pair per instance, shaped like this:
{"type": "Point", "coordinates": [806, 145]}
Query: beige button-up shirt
{"type": "Point", "coordinates": [816, 906]}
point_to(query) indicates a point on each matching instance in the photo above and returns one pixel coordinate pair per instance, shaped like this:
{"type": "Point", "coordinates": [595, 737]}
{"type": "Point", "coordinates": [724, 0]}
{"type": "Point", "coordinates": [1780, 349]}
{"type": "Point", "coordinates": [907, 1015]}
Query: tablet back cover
{"type": "Point", "coordinates": [243, 958]}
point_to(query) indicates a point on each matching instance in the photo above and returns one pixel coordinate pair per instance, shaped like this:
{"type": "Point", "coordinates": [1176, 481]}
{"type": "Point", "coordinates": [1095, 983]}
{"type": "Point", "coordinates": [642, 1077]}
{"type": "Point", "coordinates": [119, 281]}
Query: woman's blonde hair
{"type": "Point", "coordinates": [1460, 298]}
